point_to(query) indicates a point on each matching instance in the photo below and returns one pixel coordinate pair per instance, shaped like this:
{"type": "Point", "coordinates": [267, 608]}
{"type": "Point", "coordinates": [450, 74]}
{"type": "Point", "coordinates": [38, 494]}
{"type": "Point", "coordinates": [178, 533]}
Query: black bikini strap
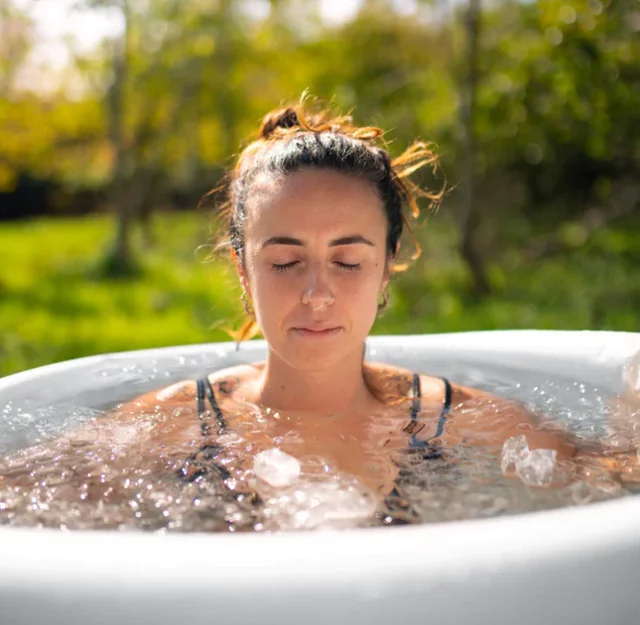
{"type": "Point", "coordinates": [200, 397]}
{"type": "Point", "coordinates": [417, 397]}
{"type": "Point", "coordinates": [448, 393]}
{"type": "Point", "coordinates": [204, 388]}
{"type": "Point", "coordinates": [445, 408]}
{"type": "Point", "coordinates": [214, 405]}
{"type": "Point", "coordinates": [415, 408]}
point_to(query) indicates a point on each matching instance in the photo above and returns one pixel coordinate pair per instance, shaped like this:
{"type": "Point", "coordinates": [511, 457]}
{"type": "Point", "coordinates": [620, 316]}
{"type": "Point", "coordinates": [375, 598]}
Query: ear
{"type": "Point", "coordinates": [240, 270]}
{"type": "Point", "coordinates": [386, 276]}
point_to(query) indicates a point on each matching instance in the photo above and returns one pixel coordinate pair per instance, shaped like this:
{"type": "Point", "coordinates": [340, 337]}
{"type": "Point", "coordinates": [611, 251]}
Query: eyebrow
{"type": "Point", "coordinates": [349, 240]}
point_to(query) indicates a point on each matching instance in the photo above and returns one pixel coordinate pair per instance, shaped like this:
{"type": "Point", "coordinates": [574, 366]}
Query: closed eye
{"type": "Point", "coordinates": [347, 266]}
{"type": "Point", "coordinates": [285, 266]}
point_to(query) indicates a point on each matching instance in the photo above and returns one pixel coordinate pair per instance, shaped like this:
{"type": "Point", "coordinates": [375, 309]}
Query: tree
{"type": "Point", "coordinates": [120, 259]}
{"type": "Point", "coordinates": [468, 214]}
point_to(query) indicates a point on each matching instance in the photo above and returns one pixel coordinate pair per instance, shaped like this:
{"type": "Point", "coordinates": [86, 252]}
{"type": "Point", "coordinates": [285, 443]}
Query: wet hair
{"type": "Point", "coordinates": [299, 136]}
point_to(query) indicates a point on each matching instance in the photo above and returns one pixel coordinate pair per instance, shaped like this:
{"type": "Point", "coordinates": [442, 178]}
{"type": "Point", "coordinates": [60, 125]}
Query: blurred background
{"type": "Point", "coordinates": [116, 116]}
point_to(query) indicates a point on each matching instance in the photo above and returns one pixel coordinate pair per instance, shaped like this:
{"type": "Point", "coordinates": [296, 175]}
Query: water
{"type": "Point", "coordinates": [114, 478]}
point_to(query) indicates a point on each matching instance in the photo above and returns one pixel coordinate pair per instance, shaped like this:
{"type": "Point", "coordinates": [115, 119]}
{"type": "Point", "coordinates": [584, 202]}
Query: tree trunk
{"type": "Point", "coordinates": [120, 259]}
{"type": "Point", "coordinates": [469, 218]}
{"type": "Point", "coordinates": [225, 61]}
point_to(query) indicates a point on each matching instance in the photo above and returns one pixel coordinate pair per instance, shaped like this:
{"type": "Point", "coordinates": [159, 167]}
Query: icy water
{"type": "Point", "coordinates": [111, 478]}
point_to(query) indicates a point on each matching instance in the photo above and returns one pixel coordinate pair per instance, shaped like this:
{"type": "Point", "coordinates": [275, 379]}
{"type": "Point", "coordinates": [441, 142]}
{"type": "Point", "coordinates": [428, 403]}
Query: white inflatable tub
{"type": "Point", "coordinates": [570, 565]}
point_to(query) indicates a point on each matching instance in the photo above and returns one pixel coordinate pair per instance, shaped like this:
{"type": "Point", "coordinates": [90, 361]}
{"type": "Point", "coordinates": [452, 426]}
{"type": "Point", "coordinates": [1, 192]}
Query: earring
{"type": "Point", "coordinates": [385, 300]}
{"type": "Point", "coordinates": [248, 308]}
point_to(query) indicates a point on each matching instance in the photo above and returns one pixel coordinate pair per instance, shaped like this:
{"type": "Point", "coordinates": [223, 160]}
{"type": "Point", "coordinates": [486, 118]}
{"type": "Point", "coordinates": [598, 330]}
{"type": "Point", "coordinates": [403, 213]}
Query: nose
{"type": "Point", "coordinates": [317, 291]}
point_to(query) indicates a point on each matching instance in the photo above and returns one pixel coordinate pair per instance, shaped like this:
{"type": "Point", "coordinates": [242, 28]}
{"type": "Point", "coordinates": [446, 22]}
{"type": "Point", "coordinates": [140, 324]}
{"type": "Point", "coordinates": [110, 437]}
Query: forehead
{"type": "Point", "coordinates": [316, 202]}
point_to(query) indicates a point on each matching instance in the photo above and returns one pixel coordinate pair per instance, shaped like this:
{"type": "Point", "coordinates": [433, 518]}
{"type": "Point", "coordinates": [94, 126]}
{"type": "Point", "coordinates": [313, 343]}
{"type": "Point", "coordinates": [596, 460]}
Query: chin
{"type": "Point", "coordinates": [313, 359]}
{"type": "Point", "coordinates": [307, 356]}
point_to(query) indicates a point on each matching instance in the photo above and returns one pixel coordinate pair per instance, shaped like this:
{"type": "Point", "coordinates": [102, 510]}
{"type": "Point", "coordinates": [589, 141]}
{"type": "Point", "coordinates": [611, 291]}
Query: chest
{"type": "Point", "coordinates": [363, 446]}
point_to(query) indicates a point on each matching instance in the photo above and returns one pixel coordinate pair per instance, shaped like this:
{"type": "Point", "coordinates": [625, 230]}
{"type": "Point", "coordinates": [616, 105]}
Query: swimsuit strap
{"type": "Point", "coordinates": [192, 469]}
{"type": "Point", "coordinates": [417, 397]}
{"type": "Point", "coordinates": [200, 397]}
{"type": "Point", "coordinates": [204, 389]}
{"type": "Point", "coordinates": [415, 409]}
{"type": "Point", "coordinates": [432, 452]}
{"type": "Point", "coordinates": [448, 392]}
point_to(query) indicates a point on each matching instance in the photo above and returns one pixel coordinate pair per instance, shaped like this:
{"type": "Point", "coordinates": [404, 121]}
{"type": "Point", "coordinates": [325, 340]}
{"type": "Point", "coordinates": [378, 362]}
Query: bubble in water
{"type": "Point", "coordinates": [99, 480]}
{"type": "Point", "coordinates": [320, 505]}
{"type": "Point", "coordinates": [617, 442]}
{"type": "Point", "coordinates": [581, 492]}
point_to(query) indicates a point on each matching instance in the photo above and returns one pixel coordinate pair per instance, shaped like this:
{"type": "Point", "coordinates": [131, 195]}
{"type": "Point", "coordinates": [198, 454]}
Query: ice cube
{"type": "Point", "coordinates": [316, 505]}
{"type": "Point", "coordinates": [580, 492]}
{"type": "Point", "coordinates": [514, 448]}
{"type": "Point", "coordinates": [631, 377]}
{"type": "Point", "coordinates": [276, 467]}
{"type": "Point", "coordinates": [536, 467]}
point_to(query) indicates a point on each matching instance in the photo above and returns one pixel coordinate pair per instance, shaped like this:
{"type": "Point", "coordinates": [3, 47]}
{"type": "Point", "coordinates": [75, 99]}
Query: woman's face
{"type": "Point", "coordinates": [315, 259]}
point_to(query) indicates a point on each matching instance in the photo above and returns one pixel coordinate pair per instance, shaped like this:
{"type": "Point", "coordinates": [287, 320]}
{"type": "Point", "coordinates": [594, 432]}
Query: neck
{"type": "Point", "coordinates": [335, 389]}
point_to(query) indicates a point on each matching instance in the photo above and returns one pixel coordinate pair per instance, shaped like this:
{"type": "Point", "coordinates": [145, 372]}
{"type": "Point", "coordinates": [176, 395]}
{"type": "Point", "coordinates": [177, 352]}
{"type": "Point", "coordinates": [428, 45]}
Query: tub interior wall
{"type": "Point", "coordinates": [508, 363]}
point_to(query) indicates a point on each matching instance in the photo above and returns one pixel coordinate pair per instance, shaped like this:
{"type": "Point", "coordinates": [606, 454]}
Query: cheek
{"type": "Point", "coordinates": [359, 296]}
{"type": "Point", "coordinates": [274, 294]}
{"type": "Point", "coordinates": [357, 291]}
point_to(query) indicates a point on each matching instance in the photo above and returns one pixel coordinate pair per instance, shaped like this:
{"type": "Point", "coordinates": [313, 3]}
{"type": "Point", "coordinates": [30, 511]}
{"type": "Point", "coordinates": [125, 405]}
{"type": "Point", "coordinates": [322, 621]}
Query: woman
{"type": "Point", "coordinates": [315, 212]}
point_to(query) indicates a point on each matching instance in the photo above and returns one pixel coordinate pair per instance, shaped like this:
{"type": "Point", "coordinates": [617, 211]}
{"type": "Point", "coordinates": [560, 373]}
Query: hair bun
{"type": "Point", "coordinates": [280, 118]}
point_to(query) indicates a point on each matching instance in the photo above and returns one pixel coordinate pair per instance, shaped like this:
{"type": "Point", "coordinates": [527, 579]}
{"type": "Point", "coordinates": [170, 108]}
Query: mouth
{"type": "Point", "coordinates": [317, 332]}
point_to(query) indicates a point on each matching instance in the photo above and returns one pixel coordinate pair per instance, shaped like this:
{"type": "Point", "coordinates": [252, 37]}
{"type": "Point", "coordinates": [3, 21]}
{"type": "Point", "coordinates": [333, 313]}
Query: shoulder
{"type": "Point", "coordinates": [174, 395]}
{"type": "Point", "coordinates": [392, 380]}
{"type": "Point", "coordinates": [228, 381]}
{"type": "Point", "coordinates": [483, 418]}
{"type": "Point", "coordinates": [432, 387]}
{"type": "Point", "coordinates": [224, 381]}
{"type": "Point", "coordinates": [478, 417]}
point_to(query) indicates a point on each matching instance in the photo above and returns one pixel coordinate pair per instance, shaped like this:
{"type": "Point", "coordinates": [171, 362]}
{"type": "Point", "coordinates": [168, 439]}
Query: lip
{"type": "Point", "coordinates": [318, 332]}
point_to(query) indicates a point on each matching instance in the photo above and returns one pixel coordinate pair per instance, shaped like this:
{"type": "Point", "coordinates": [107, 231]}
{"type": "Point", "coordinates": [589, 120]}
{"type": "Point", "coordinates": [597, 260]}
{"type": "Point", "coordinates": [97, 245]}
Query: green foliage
{"type": "Point", "coordinates": [559, 102]}
{"type": "Point", "coordinates": [53, 306]}
{"type": "Point", "coordinates": [557, 118]}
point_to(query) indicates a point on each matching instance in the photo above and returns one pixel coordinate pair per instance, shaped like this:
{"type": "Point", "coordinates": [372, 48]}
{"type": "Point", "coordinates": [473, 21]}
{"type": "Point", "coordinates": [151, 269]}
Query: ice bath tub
{"type": "Point", "coordinates": [569, 565]}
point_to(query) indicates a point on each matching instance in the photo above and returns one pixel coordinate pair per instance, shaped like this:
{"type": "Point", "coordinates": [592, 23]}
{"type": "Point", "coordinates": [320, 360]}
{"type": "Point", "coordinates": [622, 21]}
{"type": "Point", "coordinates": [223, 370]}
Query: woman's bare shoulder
{"type": "Point", "coordinates": [484, 418]}
{"type": "Point", "coordinates": [399, 380]}
{"type": "Point", "coordinates": [431, 386]}
{"type": "Point", "coordinates": [477, 416]}
{"type": "Point", "coordinates": [225, 381]}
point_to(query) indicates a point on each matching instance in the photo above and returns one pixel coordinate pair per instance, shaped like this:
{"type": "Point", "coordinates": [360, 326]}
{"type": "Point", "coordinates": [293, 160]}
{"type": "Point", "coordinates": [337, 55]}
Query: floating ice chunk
{"type": "Point", "coordinates": [631, 377]}
{"type": "Point", "coordinates": [536, 468]}
{"type": "Point", "coordinates": [514, 449]}
{"type": "Point", "coordinates": [326, 505]}
{"type": "Point", "coordinates": [276, 467]}
{"type": "Point", "coordinates": [581, 492]}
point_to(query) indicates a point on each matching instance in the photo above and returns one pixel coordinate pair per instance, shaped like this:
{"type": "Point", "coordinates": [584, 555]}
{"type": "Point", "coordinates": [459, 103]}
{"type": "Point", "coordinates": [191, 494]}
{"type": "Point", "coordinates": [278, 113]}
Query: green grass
{"type": "Point", "coordinates": [54, 306]}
